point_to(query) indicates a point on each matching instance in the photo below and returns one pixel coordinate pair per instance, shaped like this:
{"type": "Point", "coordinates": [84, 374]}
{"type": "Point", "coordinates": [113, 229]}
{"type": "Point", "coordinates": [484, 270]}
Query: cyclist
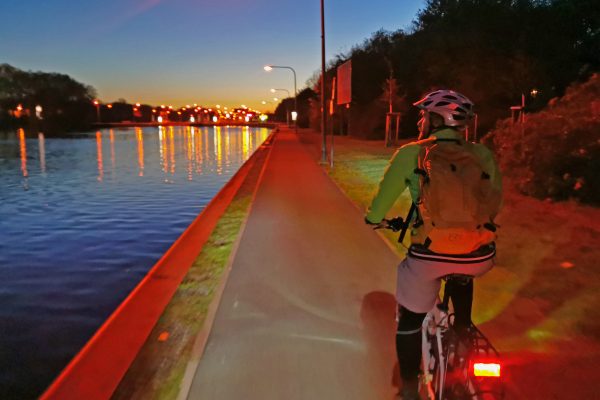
{"type": "Point", "coordinates": [453, 230]}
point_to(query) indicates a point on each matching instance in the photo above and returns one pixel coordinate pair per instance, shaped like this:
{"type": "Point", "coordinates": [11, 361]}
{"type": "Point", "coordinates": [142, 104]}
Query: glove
{"type": "Point", "coordinates": [395, 224]}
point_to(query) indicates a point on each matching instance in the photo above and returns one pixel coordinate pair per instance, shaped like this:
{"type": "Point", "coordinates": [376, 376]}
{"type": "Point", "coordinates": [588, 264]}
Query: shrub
{"type": "Point", "coordinates": [556, 153]}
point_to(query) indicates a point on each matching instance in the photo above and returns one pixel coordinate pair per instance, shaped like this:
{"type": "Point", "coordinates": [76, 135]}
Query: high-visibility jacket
{"type": "Point", "coordinates": [400, 174]}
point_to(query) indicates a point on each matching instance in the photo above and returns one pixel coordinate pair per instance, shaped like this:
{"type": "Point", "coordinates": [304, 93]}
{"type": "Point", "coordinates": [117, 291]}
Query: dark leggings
{"type": "Point", "coordinates": [408, 334]}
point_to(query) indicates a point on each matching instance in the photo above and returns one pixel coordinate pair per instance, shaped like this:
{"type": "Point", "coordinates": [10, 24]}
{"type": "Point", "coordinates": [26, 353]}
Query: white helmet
{"type": "Point", "coordinates": [456, 109]}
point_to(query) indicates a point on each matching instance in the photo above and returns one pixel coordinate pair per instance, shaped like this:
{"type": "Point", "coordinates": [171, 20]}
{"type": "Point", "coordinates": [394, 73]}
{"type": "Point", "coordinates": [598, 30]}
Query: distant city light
{"type": "Point", "coordinates": [137, 104]}
{"type": "Point", "coordinates": [109, 105]}
{"type": "Point", "coordinates": [159, 119]}
{"type": "Point", "coordinates": [294, 115]}
{"type": "Point", "coordinates": [215, 119]}
{"type": "Point", "coordinates": [268, 68]}
{"type": "Point", "coordinates": [192, 119]}
{"type": "Point", "coordinates": [247, 118]}
{"type": "Point", "coordinates": [263, 117]}
{"type": "Point", "coordinates": [218, 106]}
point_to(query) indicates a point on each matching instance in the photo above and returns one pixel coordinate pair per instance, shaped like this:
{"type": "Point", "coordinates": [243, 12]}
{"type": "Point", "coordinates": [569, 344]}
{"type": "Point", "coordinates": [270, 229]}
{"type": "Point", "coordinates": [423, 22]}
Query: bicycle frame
{"type": "Point", "coordinates": [436, 354]}
{"type": "Point", "coordinates": [434, 325]}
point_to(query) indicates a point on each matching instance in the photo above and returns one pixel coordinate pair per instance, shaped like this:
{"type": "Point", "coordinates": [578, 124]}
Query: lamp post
{"type": "Point", "coordinates": [287, 111]}
{"type": "Point", "coordinates": [323, 70]}
{"type": "Point", "coordinates": [268, 68]}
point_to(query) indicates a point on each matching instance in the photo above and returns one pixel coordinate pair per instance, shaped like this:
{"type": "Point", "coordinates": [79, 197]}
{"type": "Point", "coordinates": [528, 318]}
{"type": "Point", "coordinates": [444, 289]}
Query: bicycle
{"type": "Point", "coordinates": [457, 363]}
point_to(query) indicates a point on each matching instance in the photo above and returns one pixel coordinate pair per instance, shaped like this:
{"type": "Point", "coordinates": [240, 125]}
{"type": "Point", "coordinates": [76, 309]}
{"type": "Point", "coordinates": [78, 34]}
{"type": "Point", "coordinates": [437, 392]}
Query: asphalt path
{"type": "Point", "coordinates": [308, 310]}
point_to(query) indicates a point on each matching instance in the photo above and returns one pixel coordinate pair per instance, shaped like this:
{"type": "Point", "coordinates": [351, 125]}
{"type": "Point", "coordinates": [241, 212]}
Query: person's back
{"type": "Point", "coordinates": [457, 187]}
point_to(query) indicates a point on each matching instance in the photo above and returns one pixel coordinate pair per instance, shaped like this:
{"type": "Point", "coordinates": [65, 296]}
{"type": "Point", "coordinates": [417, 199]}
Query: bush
{"type": "Point", "coordinates": [556, 153]}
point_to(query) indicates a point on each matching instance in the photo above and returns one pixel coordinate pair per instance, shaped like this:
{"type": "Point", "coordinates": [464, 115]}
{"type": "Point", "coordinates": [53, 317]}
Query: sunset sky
{"type": "Point", "coordinates": [188, 51]}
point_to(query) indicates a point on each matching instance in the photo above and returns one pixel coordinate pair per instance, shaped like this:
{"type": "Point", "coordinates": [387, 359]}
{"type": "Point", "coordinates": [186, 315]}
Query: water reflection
{"type": "Point", "coordinates": [217, 146]}
{"type": "Point", "coordinates": [140, 149]}
{"type": "Point", "coordinates": [189, 140]}
{"type": "Point", "coordinates": [111, 136]}
{"type": "Point", "coordinates": [245, 141]}
{"type": "Point", "coordinates": [99, 156]}
{"type": "Point", "coordinates": [198, 150]}
{"type": "Point", "coordinates": [42, 148]}
{"type": "Point", "coordinates": [23, 152]}
{"type": "Point", "coordinates": [162, 143]}
{"type": "Point", "coordinates": [172, 149]}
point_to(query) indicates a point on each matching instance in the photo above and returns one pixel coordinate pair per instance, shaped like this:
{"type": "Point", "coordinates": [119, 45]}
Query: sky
{"type": "Point", "coordinates": [189, 51]}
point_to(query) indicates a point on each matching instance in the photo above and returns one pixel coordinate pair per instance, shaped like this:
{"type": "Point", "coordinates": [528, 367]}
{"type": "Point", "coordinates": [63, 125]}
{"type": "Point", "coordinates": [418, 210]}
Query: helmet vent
{"type": "Point", "coordinates": [450, 97]}
{"type": "Point", "coordinates": [428, 102]}
{"type": "Point", "coordinates": [442, 103]}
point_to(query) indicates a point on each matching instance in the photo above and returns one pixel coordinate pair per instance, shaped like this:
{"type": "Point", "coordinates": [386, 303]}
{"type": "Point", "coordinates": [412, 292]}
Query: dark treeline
{"type": "Point", "coordinates": [62, 103]}
{"type": "Point", "coordinates": [491, 50]}
{"type": "Point", "coordinates": [55, 103]}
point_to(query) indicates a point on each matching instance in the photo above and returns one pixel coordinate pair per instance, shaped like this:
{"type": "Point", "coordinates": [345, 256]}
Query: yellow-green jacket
{"type": "Point", "coordinates": [400, 174]}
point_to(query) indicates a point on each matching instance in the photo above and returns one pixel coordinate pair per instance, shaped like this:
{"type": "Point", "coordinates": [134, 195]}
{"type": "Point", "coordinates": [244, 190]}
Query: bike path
{"type": "Point", "coordinates": [308, 308]}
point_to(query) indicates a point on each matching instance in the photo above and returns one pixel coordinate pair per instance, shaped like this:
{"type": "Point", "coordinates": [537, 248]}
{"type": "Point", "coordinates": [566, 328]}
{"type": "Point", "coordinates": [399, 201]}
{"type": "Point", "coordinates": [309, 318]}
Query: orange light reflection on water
{"type": "Point", "coordinates": [172, 148]}
{"type": "Point", "coordinates": [218, 150]}
{"type": "Point", "coordinates": [23, 151]}
{"type": "Point", "coordinates": [189, 140]}
{"type": "Point", "coordinates": [245, 142]}
{"type": "Point", "coordinates": [99, 151]}
{"type": "Point", "coordinates": [227, 146]}
{"type": "Point", "coordinates": [111, 136]}
{"type": "Point", "coordinates": [140, 147]}
{"type": "Point", "coordinates": [198, 153]}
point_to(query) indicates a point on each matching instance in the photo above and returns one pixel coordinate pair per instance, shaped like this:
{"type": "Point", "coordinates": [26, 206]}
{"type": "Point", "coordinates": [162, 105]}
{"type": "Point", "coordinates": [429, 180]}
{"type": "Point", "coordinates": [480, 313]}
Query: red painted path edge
{"type": "Point", "coordinates": [97, 369]}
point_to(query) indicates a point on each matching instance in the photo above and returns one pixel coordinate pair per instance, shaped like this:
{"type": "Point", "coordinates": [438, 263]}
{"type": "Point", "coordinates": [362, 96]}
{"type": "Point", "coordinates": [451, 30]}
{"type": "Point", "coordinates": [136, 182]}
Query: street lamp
{"type": "Point", "coordinates": [269, 68]}
{"type": "Point", "coordinates": [287, 111]}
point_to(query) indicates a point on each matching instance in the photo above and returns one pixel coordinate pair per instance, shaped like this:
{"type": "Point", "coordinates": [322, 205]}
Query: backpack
{"type": "Point", "coordinates": [457, 201]}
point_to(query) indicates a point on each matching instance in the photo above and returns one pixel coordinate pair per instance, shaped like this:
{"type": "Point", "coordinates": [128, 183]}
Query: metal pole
{"type": "Point", "coordinates": [295, 101]}
{"type": "Point", "coordinates": [295, 90]}
{"type": "Point", "coordinates": [323, 93]}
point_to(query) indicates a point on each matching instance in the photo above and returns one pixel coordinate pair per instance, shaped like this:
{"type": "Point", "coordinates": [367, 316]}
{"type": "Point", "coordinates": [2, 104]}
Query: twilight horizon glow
{"type": "Point", "coordinates": [184, 51]}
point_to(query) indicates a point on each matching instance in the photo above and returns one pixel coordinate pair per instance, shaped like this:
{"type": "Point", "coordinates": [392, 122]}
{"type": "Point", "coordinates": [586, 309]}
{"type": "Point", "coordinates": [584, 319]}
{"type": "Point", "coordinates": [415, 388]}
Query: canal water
{"type": "Point", "coordinates": [82, 219]}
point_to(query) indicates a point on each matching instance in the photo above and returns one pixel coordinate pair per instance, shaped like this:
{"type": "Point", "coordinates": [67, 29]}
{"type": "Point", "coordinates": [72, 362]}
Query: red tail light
{"type": "Point", "coordinates": [486, 369]}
